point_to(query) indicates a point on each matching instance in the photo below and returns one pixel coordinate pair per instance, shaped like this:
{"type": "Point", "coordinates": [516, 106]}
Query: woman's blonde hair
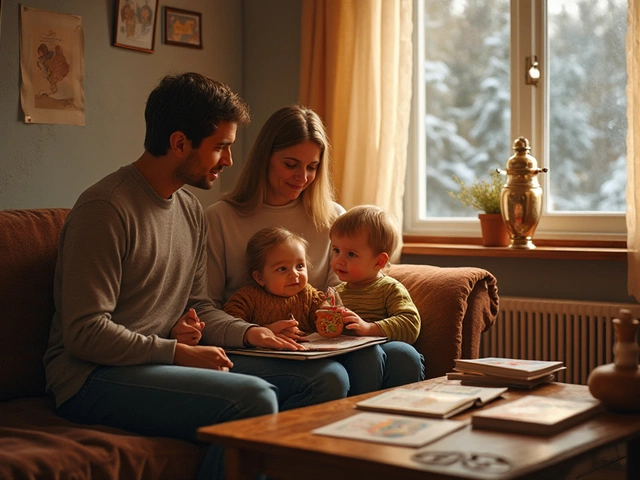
{"type": "Point", "coordinates": [287, 127]}
{"type": "Point", "coordinates": [378, 225]}
{"type": "Point", "coordinates": [263, 241]}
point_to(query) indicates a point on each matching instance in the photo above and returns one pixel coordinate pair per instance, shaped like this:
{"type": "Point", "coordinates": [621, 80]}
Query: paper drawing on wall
{"type": "Point", "coordinates": [52, 67]}
{"type": "Point", "coordinates": [135, 24]}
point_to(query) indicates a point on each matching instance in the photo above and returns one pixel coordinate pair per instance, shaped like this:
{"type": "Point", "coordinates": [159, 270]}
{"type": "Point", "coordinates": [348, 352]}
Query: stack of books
{"type": "Point", "coordinates": [505, 372]}
{"type": "Point", "coordinates": [536, 415]}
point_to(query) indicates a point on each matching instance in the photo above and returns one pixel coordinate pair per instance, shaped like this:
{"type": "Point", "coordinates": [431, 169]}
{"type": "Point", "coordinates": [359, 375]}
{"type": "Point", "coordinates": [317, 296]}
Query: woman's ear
{"type": "Point", "coordinates": [381, 261]}
{"type": "Point", "coordinates": [257, 276]}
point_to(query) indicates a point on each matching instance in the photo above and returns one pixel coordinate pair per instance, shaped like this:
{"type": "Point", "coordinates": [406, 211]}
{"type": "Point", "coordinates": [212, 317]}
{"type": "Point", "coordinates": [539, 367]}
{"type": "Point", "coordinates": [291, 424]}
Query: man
{"type": "Point", "coordinates": [131, 279]}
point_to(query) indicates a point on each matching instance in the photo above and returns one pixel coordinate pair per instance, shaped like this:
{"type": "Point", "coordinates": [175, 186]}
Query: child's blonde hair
{"type": "Point", "coordinates": [379, 226]}
{"type": "Point", "coordinates": [263, 241]}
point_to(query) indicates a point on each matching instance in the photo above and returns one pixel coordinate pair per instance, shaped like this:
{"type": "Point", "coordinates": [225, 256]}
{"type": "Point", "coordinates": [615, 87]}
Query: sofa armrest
{"type": "Point", "coordinates": [456, 305]}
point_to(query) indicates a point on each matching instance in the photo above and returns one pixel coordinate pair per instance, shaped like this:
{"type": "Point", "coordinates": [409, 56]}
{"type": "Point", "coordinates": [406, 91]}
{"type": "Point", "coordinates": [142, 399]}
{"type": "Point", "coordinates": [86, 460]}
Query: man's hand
{"type": "Point", "coordinates": [287, 328]}
{"type": "Point", "coordinates": [188, 328]}
{"type": "Point", "coordinates": [213, 358]}
{"type": "Point", "coordinates": [265, 338]}
{"type": "Point", "coordinates": [357, 325]}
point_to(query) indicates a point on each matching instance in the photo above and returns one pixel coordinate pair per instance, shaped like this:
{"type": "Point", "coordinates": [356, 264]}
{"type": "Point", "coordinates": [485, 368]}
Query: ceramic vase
{"type": "Point", "coordinates": [617, 385]}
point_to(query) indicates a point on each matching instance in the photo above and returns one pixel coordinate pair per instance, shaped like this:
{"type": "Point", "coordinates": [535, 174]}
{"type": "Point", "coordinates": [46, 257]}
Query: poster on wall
{"type": "Point", "coordinates": [52, 67]}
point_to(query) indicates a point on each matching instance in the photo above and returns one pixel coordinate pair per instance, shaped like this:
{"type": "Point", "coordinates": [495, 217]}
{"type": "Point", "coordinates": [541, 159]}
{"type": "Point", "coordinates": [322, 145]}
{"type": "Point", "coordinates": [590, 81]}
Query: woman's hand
{"type": "Point", "coordinates": [265, 338]}
{"type": "Point", "coordinates": [357, 325]}
{"type": "Point", "coordinates": [188, 328]}
{"type": "Point", "coordinates": [213, 358]}
{"type": "Point", "coordinates": [287, 328]}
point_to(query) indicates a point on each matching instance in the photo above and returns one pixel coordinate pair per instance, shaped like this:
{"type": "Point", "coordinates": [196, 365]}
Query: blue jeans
{"type": "Point", "coordinates": [403, 365]}
{"type": "Point", "coordinates": [173, 401]}
{"type": "Point", "coordinates": [367, 370]}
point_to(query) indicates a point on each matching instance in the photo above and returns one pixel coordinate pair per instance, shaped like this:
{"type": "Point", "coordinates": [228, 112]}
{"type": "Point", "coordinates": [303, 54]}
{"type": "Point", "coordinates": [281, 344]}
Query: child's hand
{"type": "Point", "coordinates": [288, 328]}
{"type": "Point", "coordinates": [188, 328]}
{"type": "Point", "coordinates": [356, 325]}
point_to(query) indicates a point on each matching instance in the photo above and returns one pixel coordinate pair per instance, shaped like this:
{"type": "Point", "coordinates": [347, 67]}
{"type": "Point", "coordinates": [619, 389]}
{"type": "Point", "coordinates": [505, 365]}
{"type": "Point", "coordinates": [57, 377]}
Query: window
{"type": "Point", "coordinates": [471, 102]}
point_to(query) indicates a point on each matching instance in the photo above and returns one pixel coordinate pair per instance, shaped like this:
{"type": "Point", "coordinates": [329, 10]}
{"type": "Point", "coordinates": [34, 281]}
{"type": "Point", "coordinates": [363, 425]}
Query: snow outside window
{"type": "Point", "coordinates": [471, 102]}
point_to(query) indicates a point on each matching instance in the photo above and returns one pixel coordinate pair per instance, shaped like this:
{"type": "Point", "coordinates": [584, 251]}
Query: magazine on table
{"type": "Point", "coordinates": [442, 401]}
{"type": "Point", "coordinates": [316, 346]}
{"type": "Point", "coordinates": [391, 429]}
{"type": "Point", "coordinates": [535, 415]}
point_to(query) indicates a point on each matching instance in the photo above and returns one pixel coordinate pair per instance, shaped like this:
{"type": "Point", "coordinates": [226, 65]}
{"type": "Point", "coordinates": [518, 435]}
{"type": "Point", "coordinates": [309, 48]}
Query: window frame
{"type": "Point", "coordinates": [528, 37]}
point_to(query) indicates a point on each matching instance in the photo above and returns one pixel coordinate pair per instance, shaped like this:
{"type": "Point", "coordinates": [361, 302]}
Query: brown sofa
{"type": "Point", "coordinates": [456, 304]}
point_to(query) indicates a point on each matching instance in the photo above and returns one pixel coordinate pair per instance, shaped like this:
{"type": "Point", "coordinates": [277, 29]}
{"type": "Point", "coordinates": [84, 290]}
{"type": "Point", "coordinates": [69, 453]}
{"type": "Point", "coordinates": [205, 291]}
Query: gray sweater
{"type": "Point", "coordinates": [130, 264]}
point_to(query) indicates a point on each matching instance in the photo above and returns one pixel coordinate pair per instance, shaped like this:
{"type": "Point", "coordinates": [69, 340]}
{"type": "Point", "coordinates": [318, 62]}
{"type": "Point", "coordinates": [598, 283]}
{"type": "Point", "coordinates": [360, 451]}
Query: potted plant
{"type": "Point", "coordinates": [484, 196]}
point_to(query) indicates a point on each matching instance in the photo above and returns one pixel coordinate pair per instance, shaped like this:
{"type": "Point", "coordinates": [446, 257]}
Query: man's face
{"type": "Point", "coordinates": [203, 165]}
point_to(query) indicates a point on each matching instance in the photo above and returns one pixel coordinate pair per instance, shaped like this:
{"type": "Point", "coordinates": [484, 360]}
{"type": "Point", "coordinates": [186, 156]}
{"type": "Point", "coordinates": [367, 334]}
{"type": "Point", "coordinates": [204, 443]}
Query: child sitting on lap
{"type": "Point", "coordinates": [362, 240]}
{"type": "Point", "coordinates": [277, 261]}
{"type": "Point", "coordinates": [283, 301]}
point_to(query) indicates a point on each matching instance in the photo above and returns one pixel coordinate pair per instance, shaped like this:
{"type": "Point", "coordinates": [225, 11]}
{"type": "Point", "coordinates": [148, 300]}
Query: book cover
{"type": "Point", "coordinates": [316, 346]}
{"type": "Point", "coordinates": [535, 415]}
{"type": "Point", "coordinates": [391, 429]}
{"type": "Point", "coordinates": [442, 401]}
{"type": "Point", "coordinates": [482, 380]}
{"type": "Point", "coordinates": [509, 367]}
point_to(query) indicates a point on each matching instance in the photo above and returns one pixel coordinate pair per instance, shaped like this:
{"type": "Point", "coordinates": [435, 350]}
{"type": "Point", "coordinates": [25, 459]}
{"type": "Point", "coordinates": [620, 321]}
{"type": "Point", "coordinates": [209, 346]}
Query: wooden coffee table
{"type": "Point", "coordinates": [282, 447]}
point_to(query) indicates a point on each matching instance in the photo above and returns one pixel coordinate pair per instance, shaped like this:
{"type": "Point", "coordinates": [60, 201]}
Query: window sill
{"type": "Point", "coordinates": [547, 249]}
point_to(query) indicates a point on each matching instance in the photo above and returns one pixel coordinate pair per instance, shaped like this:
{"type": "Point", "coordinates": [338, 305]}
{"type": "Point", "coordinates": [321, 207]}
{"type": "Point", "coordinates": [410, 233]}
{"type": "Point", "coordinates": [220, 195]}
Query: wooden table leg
{"type": "Point", "coordinates": [239, 465]}
{"type": "Point", "coordinates": [633, 459]}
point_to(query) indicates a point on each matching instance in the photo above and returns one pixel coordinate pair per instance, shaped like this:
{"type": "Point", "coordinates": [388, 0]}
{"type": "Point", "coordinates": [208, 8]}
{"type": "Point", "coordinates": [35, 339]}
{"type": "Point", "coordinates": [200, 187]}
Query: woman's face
{"type": "Point", "coordinates": [291, 171]}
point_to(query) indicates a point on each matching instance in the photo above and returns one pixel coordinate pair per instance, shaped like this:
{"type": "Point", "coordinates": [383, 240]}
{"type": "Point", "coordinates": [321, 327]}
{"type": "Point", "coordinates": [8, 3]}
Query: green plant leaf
{"type": "Point", "coordinates": [482, 195]}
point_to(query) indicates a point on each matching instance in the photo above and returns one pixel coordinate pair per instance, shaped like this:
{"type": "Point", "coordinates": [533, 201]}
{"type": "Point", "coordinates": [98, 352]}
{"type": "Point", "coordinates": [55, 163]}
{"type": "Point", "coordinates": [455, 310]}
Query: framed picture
{"type": "Point", "coordinates": [182, 27]}
{"type": "Point", "coordinates": [135, 24]}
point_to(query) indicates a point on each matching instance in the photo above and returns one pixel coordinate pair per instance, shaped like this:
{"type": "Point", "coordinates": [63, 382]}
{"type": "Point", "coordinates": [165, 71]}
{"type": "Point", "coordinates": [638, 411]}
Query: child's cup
{"type": "Point", "coordinates": [329, 321]}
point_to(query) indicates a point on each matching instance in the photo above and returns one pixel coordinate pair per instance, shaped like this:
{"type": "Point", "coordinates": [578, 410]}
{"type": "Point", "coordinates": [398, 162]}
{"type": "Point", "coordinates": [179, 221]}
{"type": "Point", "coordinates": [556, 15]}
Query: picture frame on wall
{"type": "Point", "coordinates": [135, 24]}
{"type": "Point", "coordinates": [182, 27]}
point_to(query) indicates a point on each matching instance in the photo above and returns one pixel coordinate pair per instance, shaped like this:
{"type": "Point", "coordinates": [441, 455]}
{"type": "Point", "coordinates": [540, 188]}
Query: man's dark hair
{"type": "Point", "coordinates": [192, 104]}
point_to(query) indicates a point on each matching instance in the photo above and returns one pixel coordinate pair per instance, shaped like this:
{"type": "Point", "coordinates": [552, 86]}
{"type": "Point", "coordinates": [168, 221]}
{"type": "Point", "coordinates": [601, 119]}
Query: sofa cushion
{"type": "Point", "coordinates": [35, 443]}
{"type": "Point", "coordinates": [456, 305]}
{"type": "Point", "coordinates": [28, 252]}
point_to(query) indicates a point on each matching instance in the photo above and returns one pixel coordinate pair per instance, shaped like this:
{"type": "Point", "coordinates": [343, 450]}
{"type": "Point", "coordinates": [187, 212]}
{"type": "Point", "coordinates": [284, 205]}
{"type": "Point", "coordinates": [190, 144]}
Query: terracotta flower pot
{"type": "Point", "coordinates": [494, 231]}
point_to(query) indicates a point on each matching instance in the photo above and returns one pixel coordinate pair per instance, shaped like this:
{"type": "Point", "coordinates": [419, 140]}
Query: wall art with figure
{"type": "Point", "coordinates": [135, 24]}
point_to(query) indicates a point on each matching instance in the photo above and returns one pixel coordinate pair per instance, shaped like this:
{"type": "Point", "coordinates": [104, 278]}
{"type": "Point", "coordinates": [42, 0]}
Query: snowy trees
{"type": "Point", "coordinates": [468, 104]}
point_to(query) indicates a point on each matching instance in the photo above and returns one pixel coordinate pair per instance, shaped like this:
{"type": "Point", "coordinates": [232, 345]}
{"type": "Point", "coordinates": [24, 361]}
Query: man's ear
{"type": "Point", "coordinates": [382, 260]}
{"type": "Point", "coordinates": [257, 276]}
{"type": "Point", "coordinates": [179, 144]}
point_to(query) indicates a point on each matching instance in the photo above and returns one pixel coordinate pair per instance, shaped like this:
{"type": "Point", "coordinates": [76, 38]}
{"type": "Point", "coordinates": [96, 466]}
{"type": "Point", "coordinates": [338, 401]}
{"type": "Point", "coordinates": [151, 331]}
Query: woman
{"type": "Point", "coordinates": [285, 182]}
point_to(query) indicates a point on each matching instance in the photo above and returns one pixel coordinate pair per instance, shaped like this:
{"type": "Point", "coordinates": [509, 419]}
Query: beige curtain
{"type": "Point", "coordinates": [633, 148]}
{"type": "Point", "coordinates": [356, 71]}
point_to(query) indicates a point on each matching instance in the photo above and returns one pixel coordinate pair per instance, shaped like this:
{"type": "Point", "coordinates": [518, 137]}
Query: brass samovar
{"type": "Point", "coordinates": [521, 196]}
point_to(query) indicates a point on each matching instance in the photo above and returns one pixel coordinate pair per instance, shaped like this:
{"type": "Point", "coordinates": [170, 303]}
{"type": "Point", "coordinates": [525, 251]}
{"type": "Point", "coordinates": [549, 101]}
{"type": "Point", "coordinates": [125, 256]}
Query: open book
{"type": "Point", "coordinates": [442, 401]}
{"type": "Point", "coordinates": [392, 429]}
{"type": "Point", "coordinates": [509, 367]}
{"type": "Point", "coordinates": [535, 415]}
{"type": "Point", "coordinates": [317, 346]}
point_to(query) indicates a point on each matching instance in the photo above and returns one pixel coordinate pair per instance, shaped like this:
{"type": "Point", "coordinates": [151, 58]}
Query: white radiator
{"type": "Point", "coordinates": [578, 333]}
